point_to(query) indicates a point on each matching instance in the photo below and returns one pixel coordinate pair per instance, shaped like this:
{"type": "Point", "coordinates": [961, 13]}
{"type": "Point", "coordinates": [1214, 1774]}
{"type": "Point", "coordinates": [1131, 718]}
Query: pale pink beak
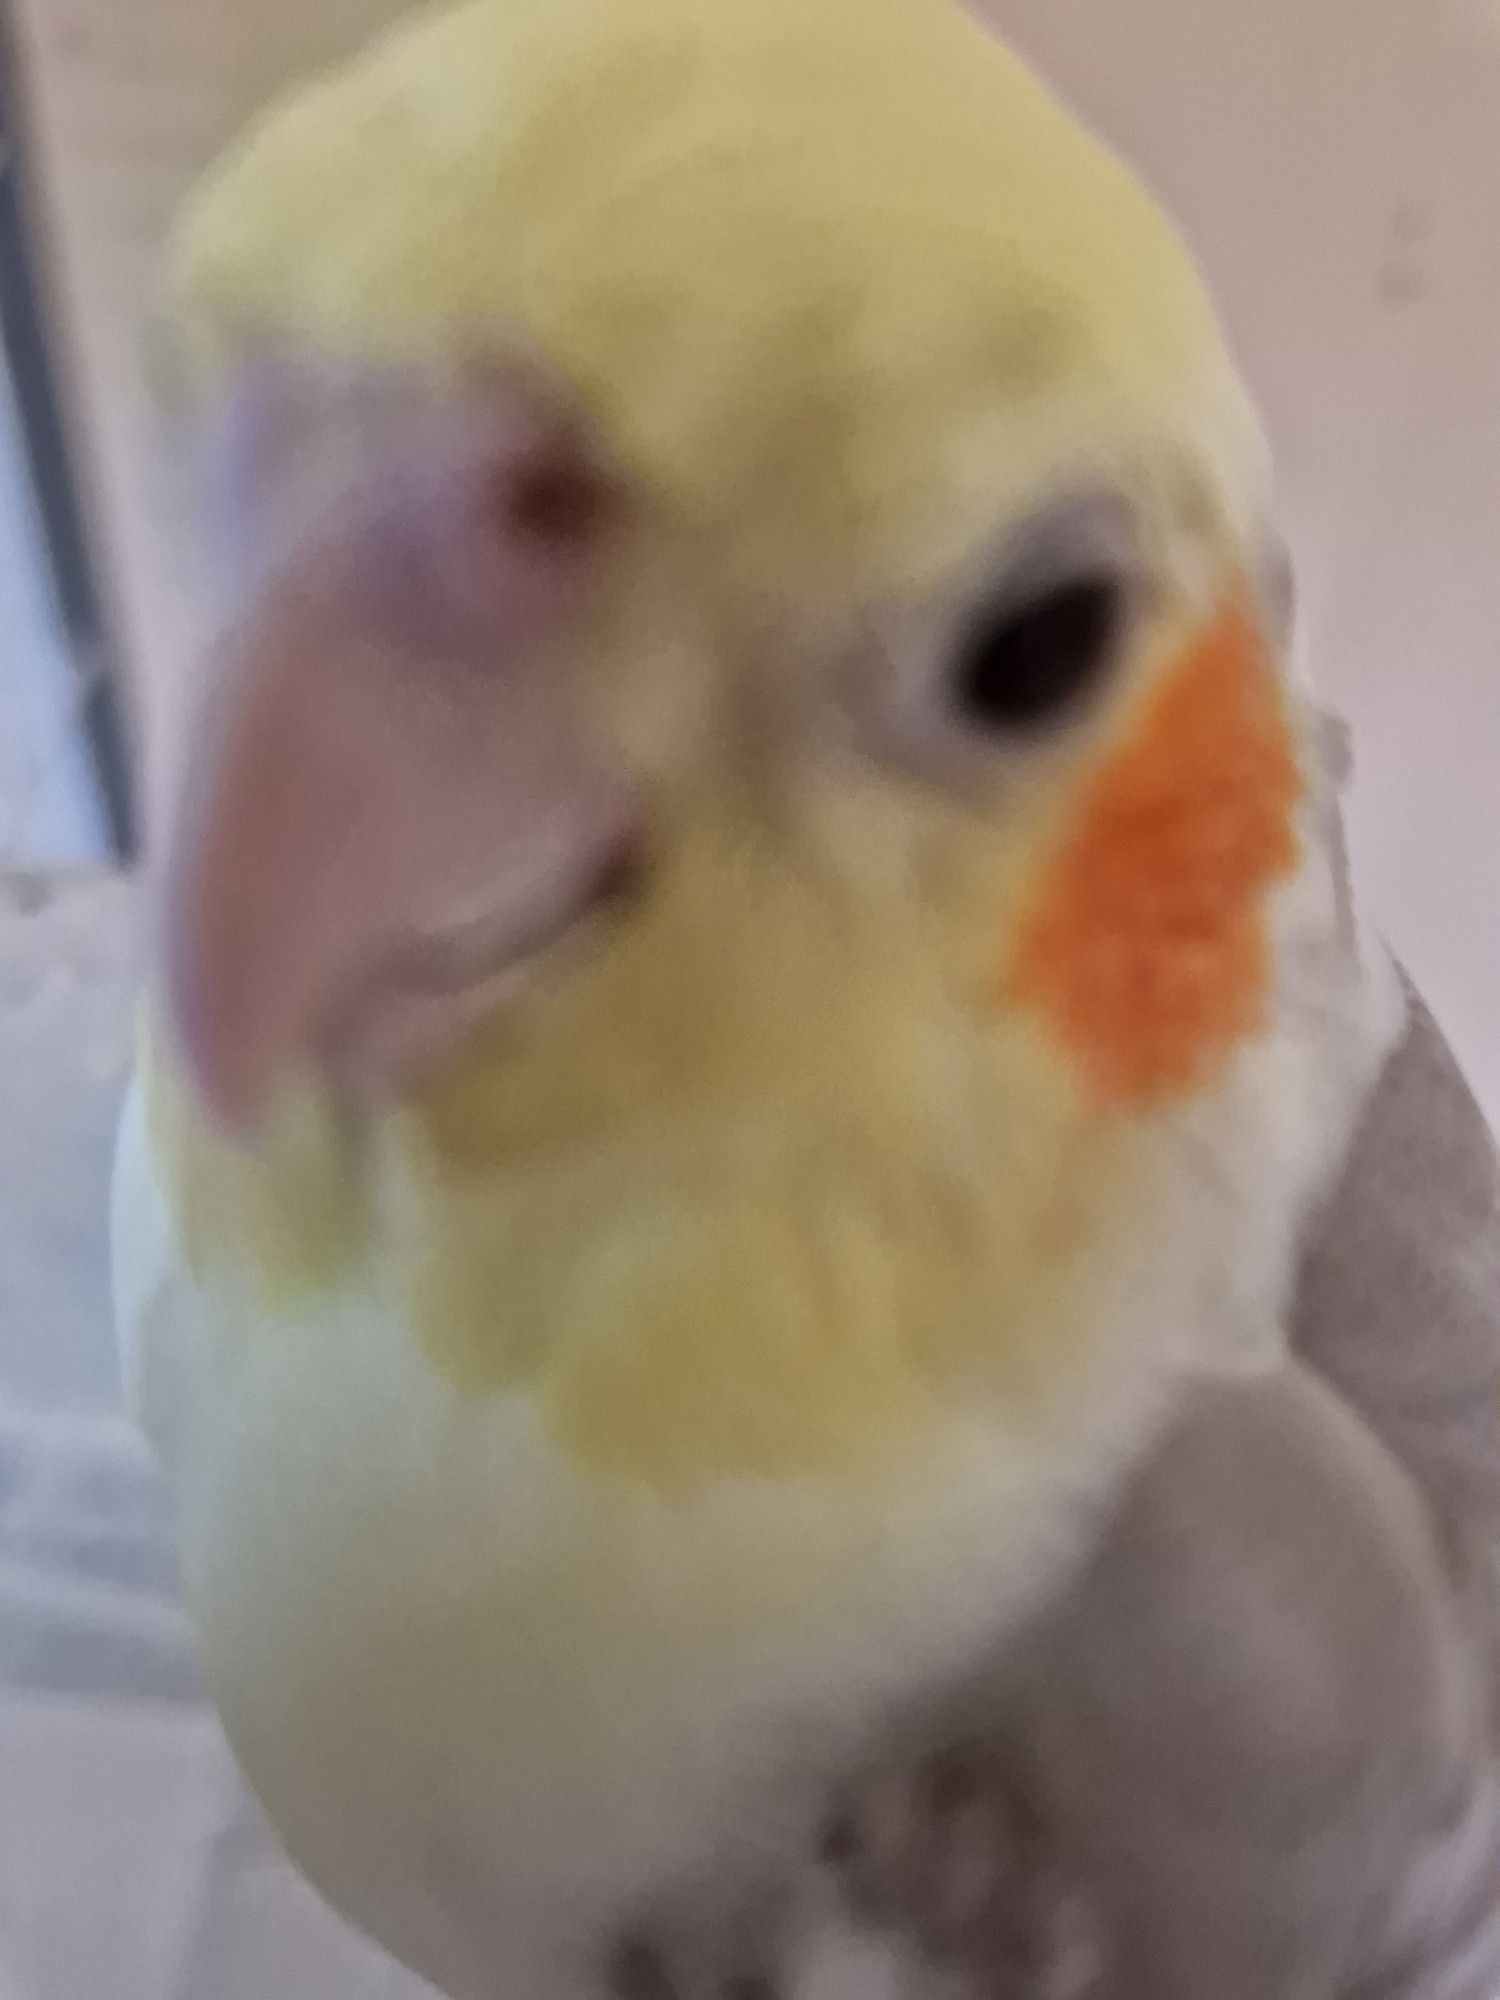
{"type": "Point", "coordinates": [395, 799]}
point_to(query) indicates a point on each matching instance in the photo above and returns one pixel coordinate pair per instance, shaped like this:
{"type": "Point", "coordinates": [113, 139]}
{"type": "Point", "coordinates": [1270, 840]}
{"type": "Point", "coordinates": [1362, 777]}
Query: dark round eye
{"type": "Point", "coordinates": [1032, 661]}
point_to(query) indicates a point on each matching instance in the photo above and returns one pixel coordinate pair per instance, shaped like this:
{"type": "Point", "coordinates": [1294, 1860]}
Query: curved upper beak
{"type": "Point", "coordinates": [394, 795]}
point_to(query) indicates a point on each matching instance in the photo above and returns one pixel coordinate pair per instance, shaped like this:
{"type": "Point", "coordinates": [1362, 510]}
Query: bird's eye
{"type": "Point", "coordinates": [1033, 661]}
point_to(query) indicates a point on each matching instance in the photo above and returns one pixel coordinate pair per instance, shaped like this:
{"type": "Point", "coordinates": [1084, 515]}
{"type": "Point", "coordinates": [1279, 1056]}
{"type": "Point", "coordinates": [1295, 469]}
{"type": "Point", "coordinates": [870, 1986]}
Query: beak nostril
{"type": "Point", "coordinates": [622, 872]}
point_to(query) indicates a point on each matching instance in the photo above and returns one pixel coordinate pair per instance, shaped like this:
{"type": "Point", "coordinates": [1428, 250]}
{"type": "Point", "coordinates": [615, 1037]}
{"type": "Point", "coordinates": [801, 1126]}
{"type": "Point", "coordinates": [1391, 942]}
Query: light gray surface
{"type": "Point", "coordinates": [132, 1866]}
{"type": "Point", "coordinates": [66, 975]}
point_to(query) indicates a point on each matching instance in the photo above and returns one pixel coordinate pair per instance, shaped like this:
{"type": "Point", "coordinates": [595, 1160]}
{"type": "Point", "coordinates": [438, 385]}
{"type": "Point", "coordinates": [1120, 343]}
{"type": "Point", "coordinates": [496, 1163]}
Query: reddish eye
{"type": "Point", "coordinates": [552, 499]}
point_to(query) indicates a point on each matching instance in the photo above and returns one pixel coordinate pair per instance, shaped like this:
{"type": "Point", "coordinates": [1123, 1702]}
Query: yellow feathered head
{"type": "Point", "coordinates": [757, 649]}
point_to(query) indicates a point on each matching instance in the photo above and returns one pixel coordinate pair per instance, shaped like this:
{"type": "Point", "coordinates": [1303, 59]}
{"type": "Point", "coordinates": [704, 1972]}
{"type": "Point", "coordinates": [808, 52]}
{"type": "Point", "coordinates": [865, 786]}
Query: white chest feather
{"type": "Point", "coordinates": [489, 1695]}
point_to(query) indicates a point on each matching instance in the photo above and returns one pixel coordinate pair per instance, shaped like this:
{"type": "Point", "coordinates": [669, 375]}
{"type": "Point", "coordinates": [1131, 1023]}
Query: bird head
{"type": "Point", "coordinates": [752, 613]}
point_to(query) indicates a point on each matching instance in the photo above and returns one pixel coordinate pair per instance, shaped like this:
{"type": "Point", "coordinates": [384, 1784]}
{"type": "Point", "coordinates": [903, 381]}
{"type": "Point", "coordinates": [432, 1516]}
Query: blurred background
{"type": "Point", "coordinates": [1336, 164]}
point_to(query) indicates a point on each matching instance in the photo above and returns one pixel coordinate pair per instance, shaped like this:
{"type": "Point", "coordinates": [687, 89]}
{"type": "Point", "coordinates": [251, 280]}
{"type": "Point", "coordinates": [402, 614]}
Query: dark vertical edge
{"type": "Point", "coordinates": [29, 357]}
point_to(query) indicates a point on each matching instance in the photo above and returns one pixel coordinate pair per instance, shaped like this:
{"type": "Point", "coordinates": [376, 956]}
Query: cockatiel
{"type": "Point", "coordinates": [753, 996]}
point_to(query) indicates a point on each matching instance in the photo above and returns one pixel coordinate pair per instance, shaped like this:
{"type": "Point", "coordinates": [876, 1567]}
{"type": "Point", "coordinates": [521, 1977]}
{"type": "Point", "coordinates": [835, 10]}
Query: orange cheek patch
{"type": "Point", "coordinates": [1146, 949]}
